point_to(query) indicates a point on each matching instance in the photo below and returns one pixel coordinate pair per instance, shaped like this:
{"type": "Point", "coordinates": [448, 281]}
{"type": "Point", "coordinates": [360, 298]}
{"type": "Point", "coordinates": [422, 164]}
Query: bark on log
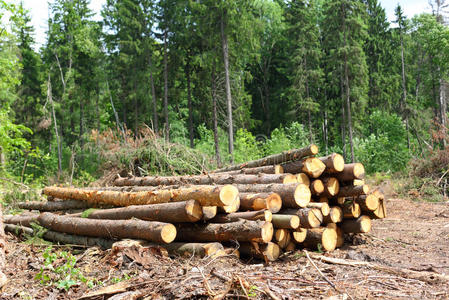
{"type": "Point", "coordinates": [262, 215]}
{"type": "Point", "coordinates": [335, 215]}
{"type": "Point", "coordinates": [349, 173]}
{"type": "Point", "coordinates": [209, 212]}
{"type": "Point", "coordinates": [316, 187]}
{"type": "Point", "coordinates": [205, 195]}
{"type": "Point", "coordinates": [3, 278]}
{"type": "Point", "coordinates": [274, 159]}
{"type": "Point", "coordinates": [312, 167]}
{"type": "Point", "coordinates": [273, 169]}
{"type": "Point", "coordinates": [53, 205]}
{"type": "Point", "coordinates": [285, 221]}
{"type": "Point", "coordinates": [195, 249]}
{"type": "Point", "coordinates": [303, 178]}
{"type": "Point", "coordinates": [351, 210]}
{"type": "Point", "coordinates": [360, 225]}
{"type": "Point", "coordinates": [322, 206]}
{"type": "Point", "coordinates": [24, 220]}
{"type": "Point", "coordinates": [152, 231]}
{"type": "Point", "coordinates": [292, 195]}
{"type": "Point", "coordinates": [308, 217]}
{"type": "Point", "coordinates": [368, 202]}
{"type": "Point", "coordinates": [299, 235]}
{"type": "Point", "coordinates": [267, 252]}
{"type": "Point", "coordinates": [331, 186]}
{"type": "Point", "coordinates": [351, 191]}
{"type": "Point", "coordinates": [324, 236]}
{"type": "Point", "coordinates": [290, 247]}
{"type": "Point", "coordinates": [270, 201]}
{"type": "Point", "coordinates": [242, 230]}
{"type": "Point", "coordinates": [173, 212]}
{"type": "Point", "coordinates": [334, 163]}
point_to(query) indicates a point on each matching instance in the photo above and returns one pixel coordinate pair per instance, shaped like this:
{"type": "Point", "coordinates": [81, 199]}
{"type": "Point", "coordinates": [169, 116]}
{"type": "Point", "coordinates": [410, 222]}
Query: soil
{"type": "Point", "coordinates": [415, 236]}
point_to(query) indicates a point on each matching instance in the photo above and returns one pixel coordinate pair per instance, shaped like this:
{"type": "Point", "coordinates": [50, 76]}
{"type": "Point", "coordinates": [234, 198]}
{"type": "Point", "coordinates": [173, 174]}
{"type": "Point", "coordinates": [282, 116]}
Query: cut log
{"type": "Point", "coordinates": [242, 230]}
{"type": "Point", "coordinates": [280, 234]}
{"type": "Point", "coordinates": [358, 182]}
{"type": "Point", "coordinates": [3, 278]}
{"type": "Point", "coordinates": [230, 208]}
{"type": "Point", "coordinates": [267, 252]}
{"type": "Point", "coordinates": [335, 215]}
{"type": "Point", "coordinates": [290, 178]}
{"type": "Point", "coordinates": [349, 173]}
{"type": "Point", "coordinates": [360, 225]}
{"type": "Point", "coordinates": [308, 217]}
{"type": "Point", "coordinates": [205, 195]}
{"type": "Point", "coordinates": [312, 167]}
{"type": "Point", "coordinates": [368, 202]}
{"type": "Point", "coordinates": [262, 215]}
{"type": "Point", "coordinates": [195, 249]}
{"type": "Point", "coordinates": [340, 234]}
{"type": "Point", "coordinates": [270, 201]}
{"type": "Point", "coordinates": [351, 191]}
{"type": "Point", "coordinates": [286, 239]}
{"type": "Point", "coordinates": [292, 194]}
{"type": "Point", "coordinates": [316, 187]}
{"type": "Point", "coordinates": [334, 162]}
{"type": "Point", "coordinates": [379, 213]}
{"type": "Point", "coordinates": [18, 230]}
{"type": "Point", "coordinates": [323, 199]}
{"type": "Point", "coordinates": [337, 201]}
{"type": "Point", "coordinates": [322, 206]}
{"type": "Point", "coordinates": [209, 212]}
{"type": "Point", "coordinates": [323, 237]}
{"type": "Point", "coordinates": [24, 219]}
{"type": "Point", "coordinates": [331, 186]}
{"type": "Point", "coordinates": [152, 231]}
{"type": "Point", "coordinates": [172, 212]}
{"type": "Point", "coordinates": [285, 221]}
{"type": "Point", "coordinates": [303, 178]}
{"type": "Point", "coordinates": [299, 235]}
{"type": "Point", "coordinates": [272, 169]}
{"type": "Point", "coordinates": [290, 247]}
{"type": "Point", "coordinates": [274, 159]}
{"type": "Point", "coordinates": [351, 210]}
{"type": "Point", "coordinates": [53, 205]}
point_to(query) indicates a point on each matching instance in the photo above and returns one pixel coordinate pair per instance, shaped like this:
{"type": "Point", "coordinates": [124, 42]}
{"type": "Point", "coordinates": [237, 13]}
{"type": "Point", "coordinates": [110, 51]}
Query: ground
{"type": "Point", "coordinates": [415, 236]}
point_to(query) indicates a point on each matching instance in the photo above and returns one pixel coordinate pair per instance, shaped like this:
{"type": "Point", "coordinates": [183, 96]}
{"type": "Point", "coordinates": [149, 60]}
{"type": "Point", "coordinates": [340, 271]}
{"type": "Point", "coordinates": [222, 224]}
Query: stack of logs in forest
{"type": "Point", "coordinates": [263, 207]}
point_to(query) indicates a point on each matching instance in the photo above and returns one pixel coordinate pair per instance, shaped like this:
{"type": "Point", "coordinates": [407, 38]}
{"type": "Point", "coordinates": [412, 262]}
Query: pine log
{"type": "Point", "coordinates": [340, 234]}
{"type": "Point", "coordinates": [351, 210]}
{"type": "Point", "coordinates": [323, 199]}
{"type": "Point", "coordinates": [379, 213]}
{"type": "Point", "coordinates": [274, 159]}
{"type": "Point", "coordinates": [24, 219]}
{"type": "Point", "coordinates": [324, 236]}
{"type": "Point", "coordinates": [152, 231]}
{"type": "Point", "coordinates": [230, 208]}
{"type": "Point", "coordinates": [335, 215]}
{"type": "Point", "coordinates": [272, 169]}
{"type": "Point", "coordinates": [303, 178]}
{"type": "Point", "coordinates": [331, 186]}
{"type": "Point", "coordinates": [267, 252]}
{"type": "Point", "coordinates": [53, 205]}
{"type": "Point", "coordinates": [334, 163]}
{"type": "Point", "coordinates": [322, 206]}
{"type": "Point", "coordinates": [285, 221]}
{"type": "Point", "coordinates": [270, 201]}
{"type": "Point", "coordinates": [205, 195]}
{"type": "Point", "coordinates": [3, 278]}
{"type": "Point", "coordinates": [351, 191]}
{"type": "Point", "coordinates": [308, 217]}
{"type": "Point", "coordinates": [368, 202]}
{"type": "Point", "coordinates": [286, 239]}
{"type": "Point", "coordinates": [292, 194]}
{"type": "Point", "coordinates": [312, 167]}
{"type": "Point", "coordinates": [360, 225]}
{"type": "Point", "coordinates": [209, 212]}
{"type": "Point", "coordinates": [242, 230]}
{"type": "Point", "coordinates": [18, 230]}
{"type": "Point", "coordinates": [280, 234]}
{"type": "Point", "coordinates": [290, 247]}
{"type": "Point", "coordinates": [316, 187]}
{"type": "Point", "coordinates": [195, 249]}
{"type": "Point", "coordinates": [349, 173]}
{"type": "Point", "coordinates": [299, 235]}
{"type": "Point", "coordinates": [358, 182]}
{"type": "Point", "coordinates": [263, 215]}
{"type": "Point", "coordinates": [172, 212]}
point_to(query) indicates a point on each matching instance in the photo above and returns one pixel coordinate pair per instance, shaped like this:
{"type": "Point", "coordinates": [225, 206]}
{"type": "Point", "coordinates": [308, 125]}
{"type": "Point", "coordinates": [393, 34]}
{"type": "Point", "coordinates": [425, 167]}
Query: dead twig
{"type": "Point", "coordinates": [321, 273]}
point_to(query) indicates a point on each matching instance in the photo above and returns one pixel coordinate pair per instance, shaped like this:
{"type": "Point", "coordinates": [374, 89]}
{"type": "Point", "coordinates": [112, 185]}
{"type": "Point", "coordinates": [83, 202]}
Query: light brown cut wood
{"type": "Point", "coordinates": [151, 231]}
{"type": "Point", "coordinates": [349, 173]}
{"type": "Point", "coordinates": [351, 210]}
{"type": "Point", "coordinates": [230, 208]}
{"type": "Point", "coordinates": [250, 201]}
{"type": "Point", "coordinates": [322, 206]}
{"type": "Point", "coordinates": [242, 230]}
{"type": "Point", "coordinates": [299, 235]}
{"type": "Point", "coordinates": [312, 167]}
{"type": "Point", "coordinates": [368, 202]}
{"type": "Point", "coordinates": [308, 217]}
{"type": "Point", "coordinates": [340, 234]}
{"type": "Point", "coordinates": [350, 190]}
{"type": "Point", "coordinates": [262, 215]}
{"type": "Point", "coordinates": [209, 212]}
{"type": "Point", "coordinates": [360, 225]}
{"type": "Point", "coordinates": [335, 215]}
{"type": "Point", "coordinates": [267, 252]}
{"type": "Point", "coordinates": [358, 182]}
{"type": "Point", "coordinates": [285, 221]}
{"type": "Point", "coordinates": [334, 163]}
{"type": "Point", "coordinates": [303, 178]}
{"type": "Point", "coordinates": [290, 178]}
{"type": "Point", "coordinates": [279, 234]}
{"type": "Point", "coordinates": [195, 249]}
{"type": "Point", "coordinates": [324, 236]}
{"type": "Point", "coordinates": [331, 186]}
{"type": "Point", "coordinates": [290, 247]}
{"type": "Point", "coordinates": [380, 212]}
{"type": "Point", "coordinates": [316, 187]}
{"type": "Point", "coordinates": [285, 240]}
{"type": "Point", "coordinates": [23, 219]}
{"type": "Point", "coordinates": [53, 205]}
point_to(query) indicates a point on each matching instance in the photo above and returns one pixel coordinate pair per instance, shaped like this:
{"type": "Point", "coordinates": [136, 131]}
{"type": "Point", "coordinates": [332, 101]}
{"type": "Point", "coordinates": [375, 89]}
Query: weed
{"type": "Point", "coordinates": [252, 291]}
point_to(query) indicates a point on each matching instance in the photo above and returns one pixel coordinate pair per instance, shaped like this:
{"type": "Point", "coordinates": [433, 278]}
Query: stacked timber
{"type": "Point", "coordinates": [267, 206]}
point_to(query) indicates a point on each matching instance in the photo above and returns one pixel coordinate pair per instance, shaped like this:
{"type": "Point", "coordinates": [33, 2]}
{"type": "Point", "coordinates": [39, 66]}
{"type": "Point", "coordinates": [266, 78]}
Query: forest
{"type": "Point", "coordinates": [172, 87]}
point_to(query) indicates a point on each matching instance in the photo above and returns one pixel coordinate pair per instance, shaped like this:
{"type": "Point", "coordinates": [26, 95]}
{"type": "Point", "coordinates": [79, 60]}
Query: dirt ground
{"type": "Point", "coordinates": [415, 237]}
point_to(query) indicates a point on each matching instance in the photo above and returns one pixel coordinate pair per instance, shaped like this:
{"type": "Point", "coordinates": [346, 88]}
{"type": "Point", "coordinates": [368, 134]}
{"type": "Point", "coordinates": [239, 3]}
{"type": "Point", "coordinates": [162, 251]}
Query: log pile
{"type": "Point", "coordinates": [278, 203]}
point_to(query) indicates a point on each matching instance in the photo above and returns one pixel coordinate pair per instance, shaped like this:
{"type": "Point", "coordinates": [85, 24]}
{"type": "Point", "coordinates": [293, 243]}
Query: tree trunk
{"type": "Point", "coordinates": [262, 215]}
{"type": "Point", "coordinates": [114, 229]}
{"type": "Point", "coordinates": [360, 225]}
{"type": "Point", "coordinates": [58, 141]}
{"type": "Point", "coordinates": [350, 190]}
{"type": "Point", "coordinates": [325, 131]}
{"type": "Point", "coordinates": [189, 102]}
{"type": "Point", "coordinates": [270, 201]}
{"type": "Point", "coordinates": [308, 217]}
{"type": "Point", "coordinates": [271, 169]}
{"type": "Point", "coordinates": [267, 252]}
{"type": "Point", "coordinates": [23, 220]}
{"type": "Point", "coordinates": [167, 126]}
{"type": "Point", "coordinates": [368, 202]}
{"type": "Point", "coordinates": [335, 215]}
{"type": "Point", "coordinates": [312, 166]}
{"type": "Point", "coordinates": [153, 96]}
{"type": "Point", "coordinates": [324, 236]}
{"type": "Point", "coordinates": [331, 186]}
{"type": "Point", "coordinates": [349, 173]}
{"type": "Point", "coordinates": [242, 231]}
{"type": "Point", "coordinates": [214, 116]}
{"type": "Point", "coordinates": [351, 210]}
{"type": "Point", "coordinates": [3, 278]}
{"type": "Point", "coordinates": [53, 205]}
{"type": "Point", "coordinates": [348, 100]}
{"type": "Point", "coordinates": [285, 221]}
{"type": "Point", "coordinates": [334, 163]}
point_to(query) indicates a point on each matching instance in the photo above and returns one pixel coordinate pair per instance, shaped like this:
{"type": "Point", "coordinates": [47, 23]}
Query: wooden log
{"type": "Point", "coordinates": [274, 159]}
{"type": "Point", "coordinates": [308, 217]}
{"type": "Point", "coordinates": [349, 173]}
{"type": "Point", "coordinates": [322, 206]}
{"type": "Point", "coordinates": [337, 201]}
{"type": "Point", "coordinates": [280, 234]}
{"type": "Point", "coordinates": [152, 231]}
{"type": "Point", "coordinates": [285, 221]}
{"type": "Point", "coordinates": [290, 247]}
{"type": "Point", "coordinates": [286, 239]}
{"type": "Point", "coordinates": [272, 169]}
{"type": "Point", "coordinates": [335, 215]}
{"type": "Point", "coordinates": [263, 215]}
{"type": "Point", "coordinates": [360, 225]}
{"type": "Point", "coordinates": [18, 230]}
{"type": "Point", "coordinates": [303, 178]}
{"type": "Point", "coordinates": [324, 236]}
{"type": "Point", "coordinates": [323, 199]}
{"type": "Point", "coordinates": [368, 202]}
{"type": "Point", "coordinates": [270, 201]}
{"type": "Point", "coordinates": [24, 219]}
{"type": "Point", "coordinates": [316, 187]}
{"type": "Point", "coordinates": [331, 186]}
{"type": "Point", "coordinates": [53, 205]}
{"type": "Point", "coordinates": [340, 234]}
{"type": "Point", "coordinates": [351, 191]}
{"type": "Point", "coordinates": [312, 167]}
{"type": "Point", "coordinates": [242, 230]}
{"type": "Point", "coordinates": [351, 210]}
{"type": "Point", "coordinates": [358, 182]}
{"type": "Point", "coordinates": [3, 278]}
{"type": "Point", "coordinates": [334, 162]}
{"type": "Point", "coordinates": [195, 249]}
{"type": "Point", "coordinates": [299, 235]}
{"type": "Point", "coordinates": [209, 212]}
{"type": "Point", "coordinates": [172, 212]}
{"type": "Point", "coordinates": [205, 195]}
{"type": "Point", "coordinates": [267, 252]}
{"type": "Point", "coordinates": [379, 213]}
{"type": "Point", "coordinates": [292, 194]}
{"type": "Point", "coordinates": [230, 208]}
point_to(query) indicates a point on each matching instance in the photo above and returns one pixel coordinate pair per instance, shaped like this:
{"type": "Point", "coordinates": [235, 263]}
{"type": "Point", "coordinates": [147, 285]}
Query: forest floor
{"type": "Point", "coordinates": [415, 236]}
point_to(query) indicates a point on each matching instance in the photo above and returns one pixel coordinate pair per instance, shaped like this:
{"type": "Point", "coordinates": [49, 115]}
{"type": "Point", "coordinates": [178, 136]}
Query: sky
{"type": "Point", "coordinates": [39, 12]}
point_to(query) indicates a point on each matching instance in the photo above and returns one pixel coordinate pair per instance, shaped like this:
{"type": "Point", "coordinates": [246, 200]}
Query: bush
{"type": "Point", "coordinates": [287, 138]}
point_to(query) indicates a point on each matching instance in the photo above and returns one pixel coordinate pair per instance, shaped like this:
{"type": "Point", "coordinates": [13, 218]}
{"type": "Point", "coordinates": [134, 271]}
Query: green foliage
{"type": "Point", "coordinates": [293, 136]}
{"type": "Point", "coordinates": [246, 147]}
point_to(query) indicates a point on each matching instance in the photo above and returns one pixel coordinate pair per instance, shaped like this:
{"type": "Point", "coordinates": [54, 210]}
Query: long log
{"type": "Point", "coordinates": [311, 166]}
{"type": "Point", "coordinates": [274, 159]}
{"type": "Point", "coordinates": [53, 205]}
{"type": "Point", "coordinates": [285, 221]}
{"type": "Point", "coordinates": [195, 249]}
{"type": "Point", "coordinates": [205, 195]}
{"type": "Point", "coordinates": [292, 194]}
{"type": "Point", "coordinates": [242, 230]}
{"type": "Point", "coordinates": [331, 186]}
{"type": "Point", "coordinates": [24, 219]}
{"type": "Point", "coordinates": [324, 236]}
{"type": "Point", "coordinates": [152, 231]}
{"type": "Point", "coordinates": [351, 210]}
{"type": "Point", "coordinates": [272, 169]}
{"type": "Point", "coordinates": [335, 215]}
{"type": "Point", "coordinates": [209, 212]}
{"type": "Point", "coordinates": [322, 206]}
{"type": "Point", "coordinates": [172, 212]}
{"type": "Point", "coordinates": [316, 187]}
{"type": "Point", "coordinates": [263, 215]}
{"type": "Point", "coordinates": [349, 173]}
{"type": "Point", "coordinates": [267, 252]}
{"type": "Point", "coordinates": [368, 202]}
{"type": "Point", "coordinates": [270, 201]}
{"type": "Point", "coordinates": [334, 162]}
{"type": "Point", "coordinates": [3, 278]}
{"type": "Point", "coordinates": [308, 217]}
{"type": "Point", "coordinates": [350, 190]}
{"type": "Point", "coordinates": [360, 225]}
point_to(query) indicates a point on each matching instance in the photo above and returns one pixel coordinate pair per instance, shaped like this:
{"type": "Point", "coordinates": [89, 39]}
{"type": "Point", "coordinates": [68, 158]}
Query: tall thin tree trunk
{"type": "Point", "coordinates": [224, 41]}
{"type": "Point", "coordinates": [343, 114]}
{"type": "Point", "coordinates": [325, 132]}
{"type": "Point", "coordinates": [167, 137]}
{"type": "Point", "coordinates": [214, 116]}
{"type": "Point", "coordinates": [153, 95]}
{"type": "Point", "coordinates": [443, 106]}
{"type": "Point", "coordinates": [189, 102]}
{"type": "Point", "coordinates": [81, 132]}
{"type": "Point", "coordinates": [97, 109]}
{"type": "Point", "coordinates": [58, 142]}
{"type": "Point", "coordinates": [403, 104]}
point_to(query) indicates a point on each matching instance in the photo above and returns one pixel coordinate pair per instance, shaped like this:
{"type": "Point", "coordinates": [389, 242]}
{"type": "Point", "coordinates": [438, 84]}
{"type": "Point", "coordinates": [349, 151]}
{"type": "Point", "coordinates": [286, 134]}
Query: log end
{"type": "Point", "coordinates": [213, 249]}
{"type": "Point", "coordinates": [194, 210]}
{"type": "Point", "coordinates": [314, 167]}
{"type": "Point", "coordinates": [329, 239]}
{"type": "Point", "coordinates": [268, 216]}
{"type": "Point", "coordinates": [359, 171]}
{"type": "Point", "coordinates": [302, 195]}
{"type": "Point", "coordinates": [365, 224]}
{"type": "Point", "coordinates": [313, 149]}
{"type": "Point", "coordinates": [278, 169]}
{"type": "Point", "coordinates": [168, 233]}
{"type": "Point", "coordinates": [274, 202]}
{"type": "Point", "coordinates": [271, 251]}
{"type": "Point", "coordinates": [303, 178]}
{"type": "Point", "coordinates": [299, 235]}
{"type": "Point", "coordinates": [325, 209]}
{"type": "Point", "coordinates": [267, 232]}
{"type": "Point", "coordinates": [289, 178]}
{"type": "Point", "coordinates": [231, 208]}
{"type": "Point", "coordinates": [280, 234]}
{"type": "Point", "coordinates": [338, 162]}
{"type": "Point", "coordinates": [294, 222]}
{"type": "Point", "coordinates": [336, 214]}
{"type": "Point", "coordinates": [228, 195]}
{"type": "Point", "coordinates": [332, 186]}
{"type": "Point", "coordinates": [365, 189]}
{"type": "Point", "coordinates": [372, 202]}
{"type": "Point", "coordinates": [317, 186]}
{"type": "Point", "coordinates": [209, 212]}
{"type": "Point", "coordinates": [314, 217]}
